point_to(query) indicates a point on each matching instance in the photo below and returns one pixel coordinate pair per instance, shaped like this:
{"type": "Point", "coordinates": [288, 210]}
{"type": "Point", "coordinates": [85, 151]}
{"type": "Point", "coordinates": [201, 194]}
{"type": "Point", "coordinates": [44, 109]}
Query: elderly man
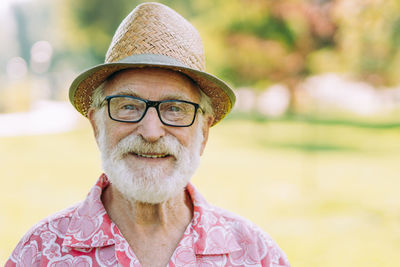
{"type": "Point", "coordinates": [151, 105]}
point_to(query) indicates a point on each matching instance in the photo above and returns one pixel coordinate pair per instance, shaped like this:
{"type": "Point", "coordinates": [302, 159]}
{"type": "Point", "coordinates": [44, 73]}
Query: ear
{"type": "Point", "coordinates": [206, 127]}
{"type": "Point", "coordinates": [91, 114]}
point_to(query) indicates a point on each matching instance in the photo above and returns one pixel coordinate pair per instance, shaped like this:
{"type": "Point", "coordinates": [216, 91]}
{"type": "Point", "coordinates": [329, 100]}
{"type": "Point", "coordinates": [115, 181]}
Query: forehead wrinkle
{"type": "Point", "coordinates": [122, 88]}
{"type": "Point", "coordinates": [176, 96]}
{"type": "Point", "coordinates": [125, 92]}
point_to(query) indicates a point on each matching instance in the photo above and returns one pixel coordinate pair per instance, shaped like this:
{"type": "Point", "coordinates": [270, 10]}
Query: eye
{"type": "Point", "coordinates": [174, 108]}
{"type": "Point", "coordinates": [130, 107]}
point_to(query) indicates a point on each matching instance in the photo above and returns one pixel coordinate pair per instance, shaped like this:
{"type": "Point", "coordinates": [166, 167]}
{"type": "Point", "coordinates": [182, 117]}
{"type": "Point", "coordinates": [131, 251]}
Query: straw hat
{"type": "Point", "coordinates": [153, 35]}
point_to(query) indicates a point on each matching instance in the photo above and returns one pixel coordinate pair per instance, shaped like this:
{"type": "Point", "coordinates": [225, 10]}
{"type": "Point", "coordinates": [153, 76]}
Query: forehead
{"type": "Point", "coordinates": [152, 84]}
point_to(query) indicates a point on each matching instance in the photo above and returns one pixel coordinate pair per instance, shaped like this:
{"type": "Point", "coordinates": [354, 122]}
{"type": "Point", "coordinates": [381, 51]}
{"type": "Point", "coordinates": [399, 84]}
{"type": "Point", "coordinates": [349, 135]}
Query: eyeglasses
{"type": "Point", "coordinates": [125, 108]}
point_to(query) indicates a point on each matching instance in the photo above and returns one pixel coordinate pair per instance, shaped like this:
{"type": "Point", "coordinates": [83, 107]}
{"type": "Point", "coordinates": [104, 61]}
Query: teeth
{"type": "Point", "coordinates": [152, 156]}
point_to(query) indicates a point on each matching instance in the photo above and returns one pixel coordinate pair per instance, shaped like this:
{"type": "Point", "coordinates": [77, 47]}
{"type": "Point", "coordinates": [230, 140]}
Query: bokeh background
{"type": "Point", "coordinates": [310, 153]}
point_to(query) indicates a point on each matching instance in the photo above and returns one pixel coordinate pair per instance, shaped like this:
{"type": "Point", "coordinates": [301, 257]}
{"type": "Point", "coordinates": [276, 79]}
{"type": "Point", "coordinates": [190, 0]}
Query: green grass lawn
{"type": "Point", "coordinates": [327, 193]}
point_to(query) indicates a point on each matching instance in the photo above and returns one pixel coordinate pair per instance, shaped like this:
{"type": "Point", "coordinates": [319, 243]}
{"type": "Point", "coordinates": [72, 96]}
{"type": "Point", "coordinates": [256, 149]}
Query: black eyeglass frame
{"type": "Point", "coordinates": [154, 104]}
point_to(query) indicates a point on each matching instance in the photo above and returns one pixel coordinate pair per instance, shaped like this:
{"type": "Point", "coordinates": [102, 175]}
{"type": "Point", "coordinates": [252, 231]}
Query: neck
{"type": "Point", "coordinates": [133, 215]}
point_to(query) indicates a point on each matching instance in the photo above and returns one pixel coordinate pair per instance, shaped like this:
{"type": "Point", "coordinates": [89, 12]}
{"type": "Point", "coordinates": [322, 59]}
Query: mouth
{"type": "Point", "coordinates": [150, 155]}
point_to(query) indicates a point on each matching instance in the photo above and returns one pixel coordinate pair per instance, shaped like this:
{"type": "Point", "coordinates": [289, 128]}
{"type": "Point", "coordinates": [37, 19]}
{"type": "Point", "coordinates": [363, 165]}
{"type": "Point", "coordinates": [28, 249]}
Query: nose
{"type": "Point", "coordinates": [150, 127]}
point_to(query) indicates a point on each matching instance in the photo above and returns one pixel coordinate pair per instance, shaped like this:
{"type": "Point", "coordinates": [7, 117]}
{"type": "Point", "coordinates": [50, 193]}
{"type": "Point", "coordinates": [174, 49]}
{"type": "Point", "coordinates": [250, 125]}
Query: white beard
{"type": "Point", "coordinates": [143, 183]}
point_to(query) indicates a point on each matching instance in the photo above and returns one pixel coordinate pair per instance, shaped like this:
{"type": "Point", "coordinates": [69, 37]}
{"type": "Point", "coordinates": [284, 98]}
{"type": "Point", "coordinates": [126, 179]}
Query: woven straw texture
{"type": "Point", "coordinates": [154, 29]}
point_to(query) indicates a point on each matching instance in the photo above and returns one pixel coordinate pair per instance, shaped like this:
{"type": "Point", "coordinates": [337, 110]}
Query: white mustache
{"type": "Point", "coordinates": [167, 145]}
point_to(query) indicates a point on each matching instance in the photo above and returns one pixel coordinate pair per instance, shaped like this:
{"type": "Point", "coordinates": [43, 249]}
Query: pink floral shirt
{"type": "Point", "coordinates": [84, 235]}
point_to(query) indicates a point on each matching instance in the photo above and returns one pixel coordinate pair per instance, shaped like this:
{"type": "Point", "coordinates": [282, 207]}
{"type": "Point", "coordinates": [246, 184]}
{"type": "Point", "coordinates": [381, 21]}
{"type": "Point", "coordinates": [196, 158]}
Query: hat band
{"type": "Point", "coordinates": [155, 59]}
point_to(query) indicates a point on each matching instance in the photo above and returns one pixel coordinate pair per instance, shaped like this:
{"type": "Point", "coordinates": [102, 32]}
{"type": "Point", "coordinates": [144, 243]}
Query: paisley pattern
{"type": "Point", "coordinates": [83, 235]}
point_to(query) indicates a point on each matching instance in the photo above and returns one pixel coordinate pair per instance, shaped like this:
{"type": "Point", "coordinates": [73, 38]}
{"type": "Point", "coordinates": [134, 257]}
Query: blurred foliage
{"type": "Point", "coordinates": [368, 39]}
{"type": "Point", "coordinates": [248, 42]}
{"type": "Point", "coordinates": [90, 25]}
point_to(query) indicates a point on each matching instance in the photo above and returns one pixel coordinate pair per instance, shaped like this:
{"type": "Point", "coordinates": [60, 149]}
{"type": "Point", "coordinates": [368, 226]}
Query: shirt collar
{"type": "Point", "coordinates": [214, 231]}
{"type": "Point", "coordinates": [90, 226]}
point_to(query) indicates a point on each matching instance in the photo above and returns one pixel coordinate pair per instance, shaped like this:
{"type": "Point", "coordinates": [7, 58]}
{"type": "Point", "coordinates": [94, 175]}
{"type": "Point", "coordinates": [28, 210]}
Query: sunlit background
{"type": "Point", "coordinates": [310, 153]}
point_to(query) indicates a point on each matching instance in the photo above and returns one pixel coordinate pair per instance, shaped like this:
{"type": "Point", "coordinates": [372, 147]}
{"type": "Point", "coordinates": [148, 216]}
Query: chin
{"type": "Point", "coordinates": [154, 185]}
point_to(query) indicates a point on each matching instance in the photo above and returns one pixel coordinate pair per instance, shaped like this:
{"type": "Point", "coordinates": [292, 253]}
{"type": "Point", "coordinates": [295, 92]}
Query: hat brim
{"type": "Point", "coordinates": [81, 89]}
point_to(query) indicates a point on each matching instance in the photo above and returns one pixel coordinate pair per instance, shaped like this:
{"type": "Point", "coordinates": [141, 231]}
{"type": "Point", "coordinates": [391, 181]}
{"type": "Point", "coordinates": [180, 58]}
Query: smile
{"type": "Point", "coordinates": [152, 156]}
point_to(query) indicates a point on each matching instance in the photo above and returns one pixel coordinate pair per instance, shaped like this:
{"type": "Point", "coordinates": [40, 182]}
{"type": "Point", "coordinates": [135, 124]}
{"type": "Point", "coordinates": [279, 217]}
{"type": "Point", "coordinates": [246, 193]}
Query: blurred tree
{"type": "Point", "coordinates": [368, 39]}
{"type": "Point", "coordinates": [271, 41]}
{"type": "Point", "coordinates": [22, 32]}
{"type": "Point", "coordinates": [90, 25]}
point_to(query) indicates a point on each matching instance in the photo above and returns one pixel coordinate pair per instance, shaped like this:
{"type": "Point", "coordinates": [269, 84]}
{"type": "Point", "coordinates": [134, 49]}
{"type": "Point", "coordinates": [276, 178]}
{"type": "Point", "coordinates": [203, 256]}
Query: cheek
{"type": "Point", "coordinates": [115, 133]}
{"type": "Point", "coordinates": [187, 138]}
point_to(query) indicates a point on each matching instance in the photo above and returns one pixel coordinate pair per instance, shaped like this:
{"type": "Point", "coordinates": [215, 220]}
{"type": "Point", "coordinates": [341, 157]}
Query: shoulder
{"type": "Point", "coordinates": [46, 233]}
{"type": "Point", "coordinates": [251, 238]}
{"type": "Point", "coordinates": [236, 223]}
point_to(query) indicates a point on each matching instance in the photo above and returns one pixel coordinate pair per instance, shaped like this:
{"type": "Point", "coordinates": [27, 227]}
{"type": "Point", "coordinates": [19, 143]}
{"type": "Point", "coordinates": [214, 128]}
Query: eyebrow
{"type": "Point", "coordinates": [166, 97]}
{"type": "Point", "coordinates": [126, 93]}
